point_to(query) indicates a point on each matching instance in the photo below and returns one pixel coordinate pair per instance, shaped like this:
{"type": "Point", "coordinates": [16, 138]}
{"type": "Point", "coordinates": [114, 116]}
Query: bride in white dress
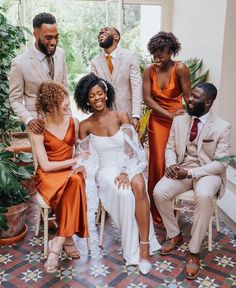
{"type": "Point", "coordinates": [121, 161]}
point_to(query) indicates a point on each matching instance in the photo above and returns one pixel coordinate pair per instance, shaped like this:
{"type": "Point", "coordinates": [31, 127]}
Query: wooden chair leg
{"type": "Point", "coordinates": [45, 219]}
{"type": "Point", "coordinates": [217, 218]}
{"type": "Point", "coordinates": [88, 245]}
{"type": "Point", "coordinates": [38, 220]}
{"type": "Point", "coordinates": [210, 235]}
{"type": "Point", "coordinates": [99, 210]}
{"type": "Point", "coordinates": [102, 226]}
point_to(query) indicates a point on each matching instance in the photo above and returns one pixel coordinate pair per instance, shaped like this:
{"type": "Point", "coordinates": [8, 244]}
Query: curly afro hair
{"type": "Point", "coordinates": [162, 41]}
{"type": "Point", "coordinates": [43, 18]}
{"type": "Point", "coordinates": [83, 87]}
{"type": "Point", "coordinates": [51, 94]}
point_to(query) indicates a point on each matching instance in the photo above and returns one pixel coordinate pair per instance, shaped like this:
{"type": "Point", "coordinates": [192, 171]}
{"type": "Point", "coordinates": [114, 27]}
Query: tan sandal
{"type": "Point", "coordinates": [49, 267]}
{"type": "Point", "coordinates": [75, 254]}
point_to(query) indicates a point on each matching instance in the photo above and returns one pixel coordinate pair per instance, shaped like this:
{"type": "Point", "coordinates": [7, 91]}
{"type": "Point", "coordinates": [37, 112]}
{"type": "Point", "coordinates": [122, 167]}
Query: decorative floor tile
{"type": "Point", "coordinates": [22, 265]}
{"type": "Point", "coordinates": [4, 259]}
{"type": "Point", "coordinates": [163, 266]}
{"type": "Point", "coordinates": [99, 270]}
{"type": "Point", "coordinates": [225, 261]}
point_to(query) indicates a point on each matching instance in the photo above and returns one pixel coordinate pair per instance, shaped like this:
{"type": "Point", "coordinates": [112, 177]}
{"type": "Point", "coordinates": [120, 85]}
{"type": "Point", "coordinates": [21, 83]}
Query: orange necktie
{"type": "Point", "coordinates": [109, 62]}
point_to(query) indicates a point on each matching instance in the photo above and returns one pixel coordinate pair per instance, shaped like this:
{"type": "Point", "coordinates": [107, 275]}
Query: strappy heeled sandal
{"type": "Point", "coordinates": [50, 268]}
{"type": "Point", "coordinates": [75, 254]}
{"type": "Point", "coordinates": [144, 265]}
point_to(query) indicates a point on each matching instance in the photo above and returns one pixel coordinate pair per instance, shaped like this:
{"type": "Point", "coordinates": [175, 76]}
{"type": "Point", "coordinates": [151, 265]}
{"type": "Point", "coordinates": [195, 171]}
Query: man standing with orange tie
{"type": "Point", "coordinates": [44, 61]}
{"type": "Point", "coordinates": [121, 68]}
{"type": "Point", "coordinates": [196, 141]}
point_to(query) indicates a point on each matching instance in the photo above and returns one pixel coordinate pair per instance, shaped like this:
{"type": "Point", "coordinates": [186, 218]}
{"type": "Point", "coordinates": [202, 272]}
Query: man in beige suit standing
{"type": "Point", "coordinates": [121, 68]}
{"type": "Point", "coordinates": [44, 61]}
{"type": "Point", "coordinates": [196, 140]}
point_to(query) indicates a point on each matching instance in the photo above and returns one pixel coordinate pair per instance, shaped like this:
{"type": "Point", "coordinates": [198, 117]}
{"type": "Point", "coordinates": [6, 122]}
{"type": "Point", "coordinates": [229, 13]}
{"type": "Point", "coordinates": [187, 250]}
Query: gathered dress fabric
{"type": "Point", "coordinates": [121, 152]}
{"type": "Point", "coordinates": [65, 195]}
{"type": "Point", "coordinates": [170, 99]}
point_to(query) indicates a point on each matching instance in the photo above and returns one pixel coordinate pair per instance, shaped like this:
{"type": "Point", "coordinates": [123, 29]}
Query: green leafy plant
{"type": "Point", "coordinates": [195, 66]}
{"type": "Point", "coordinates": [12, 192]}
{"type": "Point", "coordinates": [11, 38]}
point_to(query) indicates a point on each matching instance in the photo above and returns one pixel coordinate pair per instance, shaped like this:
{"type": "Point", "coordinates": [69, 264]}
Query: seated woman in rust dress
{"type": "Point", "coordinates": [61, 187]}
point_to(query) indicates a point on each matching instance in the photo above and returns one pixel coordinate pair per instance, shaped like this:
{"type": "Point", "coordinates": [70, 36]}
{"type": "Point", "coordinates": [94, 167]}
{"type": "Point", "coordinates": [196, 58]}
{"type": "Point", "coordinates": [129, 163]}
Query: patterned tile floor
{"type": "Point", "coordinates": [21, 265]}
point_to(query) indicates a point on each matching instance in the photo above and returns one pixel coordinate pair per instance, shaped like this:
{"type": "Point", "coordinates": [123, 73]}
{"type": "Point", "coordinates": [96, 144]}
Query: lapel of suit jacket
{"type": "Point", "coordinates": [116, 65]}
{"type": "Point", "coordinates": [38, 66]}
{"type": "Point", "coordinates": [184, 134]}
{"type": "Point", "coordinates": [205, 129]}
{"type": "Point", "coordinates": [57, 71]}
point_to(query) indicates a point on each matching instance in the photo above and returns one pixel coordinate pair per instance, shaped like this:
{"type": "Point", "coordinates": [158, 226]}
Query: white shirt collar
{"type": "Point", "coordinates": [113, 53]}
{"type": "Point", "coordinates": [203, 118]}
{"type": "Point", "coordinates": [40, 55]}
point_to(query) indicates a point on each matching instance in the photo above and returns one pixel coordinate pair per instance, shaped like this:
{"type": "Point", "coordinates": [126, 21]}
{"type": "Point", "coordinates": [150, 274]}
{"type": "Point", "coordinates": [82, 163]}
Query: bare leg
{"type": "Point", "coordinates": [142, 213]}
{"type": "Point", "coordinates": [55, 246]}
{"type": "Point", "coordinates": [70, 248]}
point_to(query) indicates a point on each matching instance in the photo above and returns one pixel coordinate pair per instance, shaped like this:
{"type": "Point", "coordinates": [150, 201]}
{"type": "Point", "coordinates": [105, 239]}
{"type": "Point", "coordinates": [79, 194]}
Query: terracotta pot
{"type": "Point", "coordinates": [20, 134]}
{"type": "Point", "coordinates": [17, 149]}
{"type": "Point", "coordinates": [13, 240]}
{"type": "Point", "coordinates": [30, 185]}
{"type": "Point", "coordinates": [15, 220]}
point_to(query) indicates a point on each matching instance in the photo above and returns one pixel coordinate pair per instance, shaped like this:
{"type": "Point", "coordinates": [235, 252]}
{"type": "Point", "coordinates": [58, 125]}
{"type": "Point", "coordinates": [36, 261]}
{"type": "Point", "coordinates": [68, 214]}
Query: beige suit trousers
{"type": "Point", "coordinates": [205, 189]}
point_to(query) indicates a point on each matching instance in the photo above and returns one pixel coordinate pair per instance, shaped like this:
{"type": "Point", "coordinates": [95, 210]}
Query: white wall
{"type": "Point", "coordinates": [227, 101]}
{"type": "Point", "coordinates": [207, 29]}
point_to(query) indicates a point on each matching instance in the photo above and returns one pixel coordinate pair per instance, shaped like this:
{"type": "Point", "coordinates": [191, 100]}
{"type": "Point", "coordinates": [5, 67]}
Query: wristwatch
{"type": "Point", "coordinates": [189, 175]}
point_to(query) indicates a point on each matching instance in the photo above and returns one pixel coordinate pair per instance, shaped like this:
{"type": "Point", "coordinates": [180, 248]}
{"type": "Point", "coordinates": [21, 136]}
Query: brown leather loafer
{"type": "Point", "coordinates": [192, 266]}
{"type": "Point", "coordinates": [171, 244]}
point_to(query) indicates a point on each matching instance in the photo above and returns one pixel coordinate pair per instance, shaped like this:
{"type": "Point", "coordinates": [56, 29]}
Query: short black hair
{"type": "Point", "coordinates": [117, 31]}
{"type": "Point", "coordinates": [209, 90]}
{"type": "Point", "coordinates": [164, 40]}
{"type": "Point", "coordinates": [83, 87]}
{"type": "Point", "coordinates": [43, 18]}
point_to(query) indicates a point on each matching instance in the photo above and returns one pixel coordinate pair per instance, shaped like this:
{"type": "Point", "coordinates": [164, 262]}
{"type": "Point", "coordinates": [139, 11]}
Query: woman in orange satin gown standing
{"type": "Point", "coordinates": [62, 188]}
{"type": "Point", "coordinates": [165, 82]}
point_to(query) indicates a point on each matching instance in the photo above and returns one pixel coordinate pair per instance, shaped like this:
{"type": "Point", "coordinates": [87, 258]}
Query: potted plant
{"type": "Point", "coordinates": [13, 195]}
{"type": "Point", "coordinates": [11, 38]}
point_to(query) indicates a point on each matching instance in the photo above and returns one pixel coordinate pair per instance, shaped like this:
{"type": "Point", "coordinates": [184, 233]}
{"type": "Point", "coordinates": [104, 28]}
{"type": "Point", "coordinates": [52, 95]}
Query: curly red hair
{"type": "Point", "coordinates": [51, 94]}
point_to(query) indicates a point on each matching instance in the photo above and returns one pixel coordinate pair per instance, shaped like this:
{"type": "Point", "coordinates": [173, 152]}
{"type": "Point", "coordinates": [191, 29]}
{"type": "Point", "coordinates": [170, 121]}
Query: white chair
{"type": "Point", "coordinates": [101, 213]}
{"type": "Point", "coordinates": [189, 196]}
{"type": "Point", "coordinates": [43, 210]}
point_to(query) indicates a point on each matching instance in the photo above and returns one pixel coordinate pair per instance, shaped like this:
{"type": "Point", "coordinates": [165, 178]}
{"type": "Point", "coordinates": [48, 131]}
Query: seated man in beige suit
{"type": "Point", "coordinates": [196, 140]}
{"type": "Point", "coordinates": [120, 67]}
{"type": "Point", "coordinates": [44, 61]}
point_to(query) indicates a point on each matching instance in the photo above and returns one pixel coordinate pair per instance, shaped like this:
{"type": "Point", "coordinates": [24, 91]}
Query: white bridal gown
{"type": "Point", "coordinates": [121, 152]}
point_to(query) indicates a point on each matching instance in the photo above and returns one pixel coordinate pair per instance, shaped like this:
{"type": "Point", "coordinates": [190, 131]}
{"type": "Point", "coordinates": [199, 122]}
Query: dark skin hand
{"type": "Point", "coordinates": [176, 172]}
{"type": "Point", "coordinates": [135, 122]}
{"type": "Point", "coordinates": [36, 126]}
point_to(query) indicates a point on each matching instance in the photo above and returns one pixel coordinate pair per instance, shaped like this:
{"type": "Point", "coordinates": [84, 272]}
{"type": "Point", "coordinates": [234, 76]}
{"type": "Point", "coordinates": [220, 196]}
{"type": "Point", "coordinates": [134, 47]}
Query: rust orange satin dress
{"type": "Point", "coordinates": [158, 130]}
{"type": "Point", "coordinates": [66, 196]}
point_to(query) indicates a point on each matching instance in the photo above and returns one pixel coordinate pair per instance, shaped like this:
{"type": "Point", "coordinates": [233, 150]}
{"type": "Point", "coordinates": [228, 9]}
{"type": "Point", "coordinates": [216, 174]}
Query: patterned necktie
{"type": "Point", "coordinates": [50, 66]}
{"type": "Point", "coordinates": [194, 129]}
{"type": "Point", "coordinates": [109, 62]}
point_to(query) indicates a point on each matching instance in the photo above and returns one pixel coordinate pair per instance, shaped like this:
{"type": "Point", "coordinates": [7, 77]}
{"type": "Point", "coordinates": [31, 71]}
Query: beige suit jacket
{"type": "Point", "coordinates": [213, 143]}
{"type": "Point", "coordinates": [26, 76]}
{"type": "Point", "coordinates": [125, 78]}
